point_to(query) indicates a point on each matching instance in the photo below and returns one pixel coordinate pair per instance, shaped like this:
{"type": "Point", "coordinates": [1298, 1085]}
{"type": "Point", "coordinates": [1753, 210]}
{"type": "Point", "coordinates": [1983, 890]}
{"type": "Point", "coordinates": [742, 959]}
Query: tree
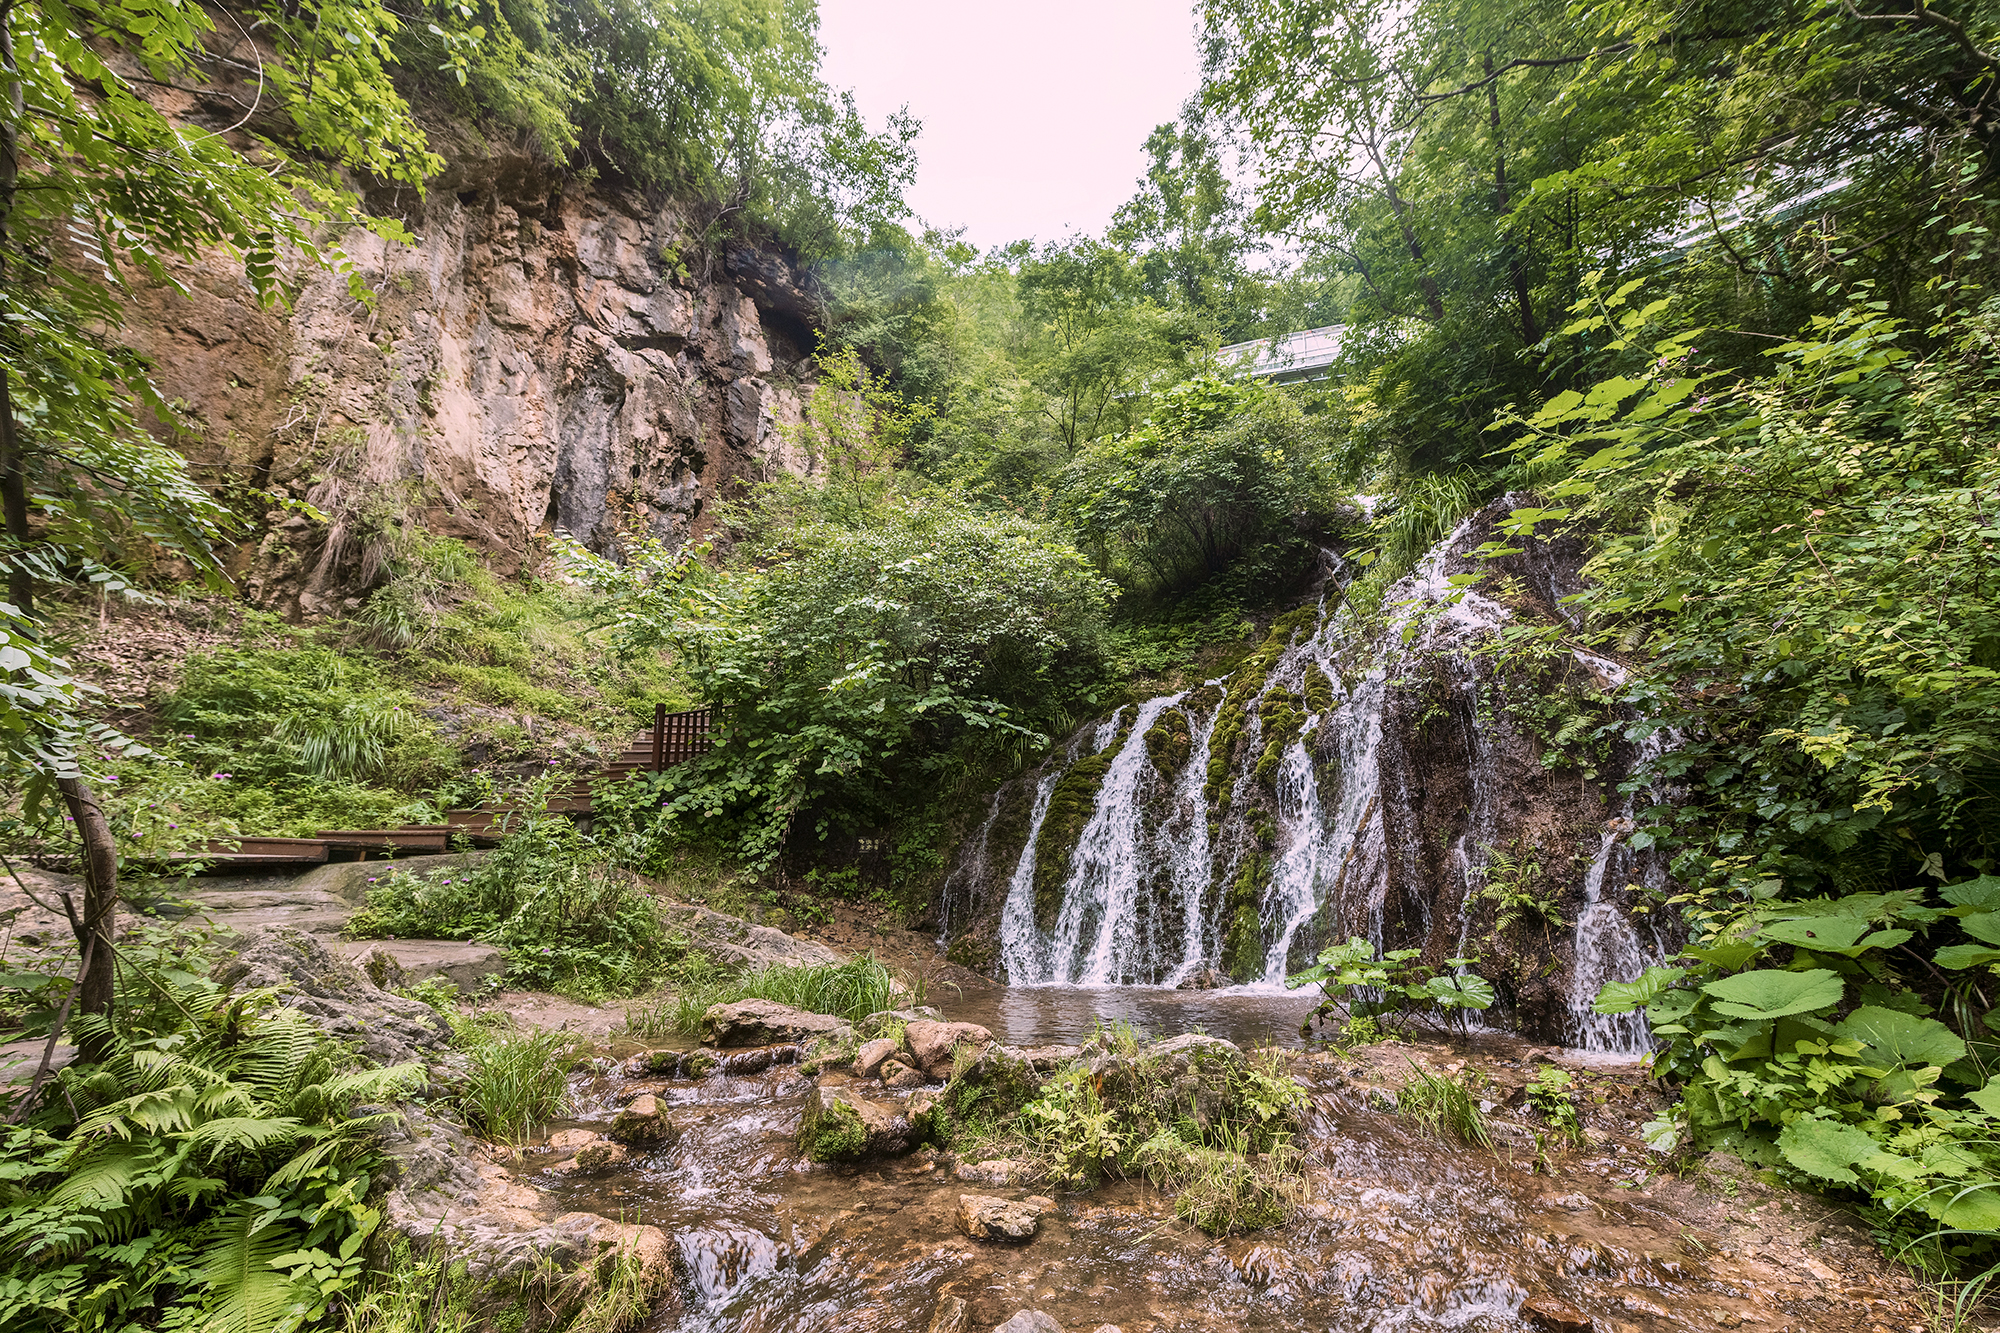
{"type": "Point", "coordinates": [96, 182]}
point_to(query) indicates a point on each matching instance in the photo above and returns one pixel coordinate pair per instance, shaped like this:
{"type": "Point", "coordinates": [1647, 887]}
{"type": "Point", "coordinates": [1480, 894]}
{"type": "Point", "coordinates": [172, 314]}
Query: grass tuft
{"type": "Point", "coordinates": [1446, 1108]}
{"type": "Point", "coordinates": [851, 990]}
{"type": "Point", "coordinates": [517, 1080]}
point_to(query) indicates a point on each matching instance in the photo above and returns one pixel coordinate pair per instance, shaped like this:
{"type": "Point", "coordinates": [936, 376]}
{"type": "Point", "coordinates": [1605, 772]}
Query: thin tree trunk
{"type": "Point", "coordinates": [1433, 298]}
{"type": "Point", "coordinates": [13, 470]}
{"type": "Point", "coordinates": [1516, 270]}
{"type": "Point", "coordinates": [95, 926]}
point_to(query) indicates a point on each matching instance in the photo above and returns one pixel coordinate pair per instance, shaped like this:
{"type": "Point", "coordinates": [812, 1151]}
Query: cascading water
{"type": "Point", "coordinates": [1240, 826]}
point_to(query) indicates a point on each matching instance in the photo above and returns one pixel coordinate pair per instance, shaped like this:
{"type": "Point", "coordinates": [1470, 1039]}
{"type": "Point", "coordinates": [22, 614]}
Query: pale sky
{"type": "Point", "coordinates": [1035, 112]}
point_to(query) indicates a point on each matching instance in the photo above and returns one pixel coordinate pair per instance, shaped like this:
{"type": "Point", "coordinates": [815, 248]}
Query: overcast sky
{"type": "Point", "coordinates": [1035, 112]}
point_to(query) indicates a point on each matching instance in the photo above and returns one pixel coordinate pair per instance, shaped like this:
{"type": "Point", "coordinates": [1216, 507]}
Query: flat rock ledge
{"type": "Point", "coordinates": [767, 1023]}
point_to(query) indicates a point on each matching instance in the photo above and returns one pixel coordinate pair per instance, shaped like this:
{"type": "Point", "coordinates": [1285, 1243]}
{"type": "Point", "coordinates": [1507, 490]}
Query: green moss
{"type": "Point", "coordinates": [1318, 689]}
{"type": "Point", "coordinates": [1283, 718]}
{"type": "Point", "coordinates": [1242, 943]}
{"type": "Point", "coordinates": [1070, 807]}
{"type": "Point", "coordinates": [1169, 741]}
{"type": "Point", "coordinates": [1244, 686]}
{"type": "Point", "coordinates": [831, 1133]}
{"type": "Point", "coordinates": [1009, 833]}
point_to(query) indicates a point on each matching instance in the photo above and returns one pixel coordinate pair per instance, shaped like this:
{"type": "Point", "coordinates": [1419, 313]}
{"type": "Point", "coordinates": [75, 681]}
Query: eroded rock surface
{"type": "Point", "coordinates": [387, 1029]}
{"type": "Point", "coordinates": [764, 1023]}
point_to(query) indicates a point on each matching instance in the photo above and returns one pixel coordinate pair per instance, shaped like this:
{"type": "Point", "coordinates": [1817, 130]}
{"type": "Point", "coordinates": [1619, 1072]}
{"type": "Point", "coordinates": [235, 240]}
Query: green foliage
{"type": "Point", "coordinates": [851, 990]}
{"type": "Point", "coordinates": [1447, 1106]}
{"type": "Point", "coordinates": [1512, 887]}
{"type": "Point", "coordinates": [860, 664]}
{"type": "Point", "coordinates": [1549, 1093]}
{"type": "Point", "coordinates": [1439, 996]}
{"type": "Point", "coordinates": [566, 919]}
{"type": "Point", "coordinates": [1801, 1040]}
{"type": "Point", "coordinates": [514, 1081]}
{"type": "Point", "coordinates": [1215, 1127]}
{"type": "Point", "coordinates": [214, 1174]}
{"type": "Point", "coordinates": [1219, 471]}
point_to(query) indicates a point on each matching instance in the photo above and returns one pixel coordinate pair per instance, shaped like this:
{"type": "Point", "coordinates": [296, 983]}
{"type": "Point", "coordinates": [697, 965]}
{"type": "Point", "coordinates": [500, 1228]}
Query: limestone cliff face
{"type": "Point", "coordinates": [540, 356]}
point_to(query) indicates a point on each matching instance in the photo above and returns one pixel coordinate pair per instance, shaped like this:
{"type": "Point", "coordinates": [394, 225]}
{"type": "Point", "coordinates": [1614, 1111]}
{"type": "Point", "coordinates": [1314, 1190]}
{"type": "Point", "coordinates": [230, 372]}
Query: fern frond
{"type": "Point", "coordinates": [245, 1293]}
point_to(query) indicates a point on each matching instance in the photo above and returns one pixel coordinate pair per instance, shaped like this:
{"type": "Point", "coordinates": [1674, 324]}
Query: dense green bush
{"type": "Point", "coordinates": [860, 667]}
{"type": "Point", "coordinates": [566, 919]}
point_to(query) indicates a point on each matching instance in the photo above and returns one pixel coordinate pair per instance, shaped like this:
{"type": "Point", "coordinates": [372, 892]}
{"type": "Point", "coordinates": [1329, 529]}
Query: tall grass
{"type": "Point", "coordinates": [517, 1080]}
{"type": "Point", "coordinates": [851, 990]}
{"type": "Point", "coordinates": [1445, 1108]}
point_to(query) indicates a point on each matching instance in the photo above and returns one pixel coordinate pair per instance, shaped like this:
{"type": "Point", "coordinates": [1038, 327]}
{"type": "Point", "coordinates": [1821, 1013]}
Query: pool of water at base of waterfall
{"type": "Point", "coordinates": [1401, 1233]}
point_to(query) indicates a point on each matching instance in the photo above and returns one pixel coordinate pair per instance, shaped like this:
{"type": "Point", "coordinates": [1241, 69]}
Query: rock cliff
{"type": "Point", "coordinates": [541, 355]}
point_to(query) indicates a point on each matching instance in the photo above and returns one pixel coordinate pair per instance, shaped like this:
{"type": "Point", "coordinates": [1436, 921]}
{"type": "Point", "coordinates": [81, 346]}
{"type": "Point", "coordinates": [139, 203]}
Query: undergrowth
{"type": "Point", "coordinates": [1446, 1107]}
{"type": "Point", "coordinates": [1212, 1126]}
{"type": "Point", "coordinates": [851, 990]}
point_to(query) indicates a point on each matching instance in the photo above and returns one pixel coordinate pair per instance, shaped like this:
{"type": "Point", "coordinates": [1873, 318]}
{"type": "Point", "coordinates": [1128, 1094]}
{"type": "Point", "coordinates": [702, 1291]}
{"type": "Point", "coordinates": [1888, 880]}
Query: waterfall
{"type": "Point", "coordinates": [1240, 826]}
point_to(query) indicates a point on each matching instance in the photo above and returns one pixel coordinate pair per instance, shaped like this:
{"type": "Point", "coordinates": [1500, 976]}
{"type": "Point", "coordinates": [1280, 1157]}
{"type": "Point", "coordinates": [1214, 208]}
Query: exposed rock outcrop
{"type": "Point", "coordinates": [541, 354]}
{"type": "Point", "coordinates": [386, 1028]}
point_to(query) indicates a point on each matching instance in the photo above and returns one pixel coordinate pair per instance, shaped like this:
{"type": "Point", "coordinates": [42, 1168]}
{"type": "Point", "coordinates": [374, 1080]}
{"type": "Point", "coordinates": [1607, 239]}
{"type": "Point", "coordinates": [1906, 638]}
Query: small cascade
{"type": "Point", "coordinates": [1349, 779]}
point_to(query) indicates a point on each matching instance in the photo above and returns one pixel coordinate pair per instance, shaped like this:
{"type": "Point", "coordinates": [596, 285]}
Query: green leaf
{"type": "Point", "coordinates": [1976, 1209]}
{"type": "Point", "coordinates": [1622, 997]}
{"type": "Point", "coordinates": [1983, 926]}
{"type": "Point", "coordinates": [1770, 994]}
{"type": "Point", "coordinates": [1827, 933]}
{"type": "Point", "coordinates": [1966, 955]}
{"type": "Point", "coordinates": [1894, 1037]}
{"type": "Point", "coordinates": [1981, 892]}
{"type": "Point", "coordinates": [1826, 1149]}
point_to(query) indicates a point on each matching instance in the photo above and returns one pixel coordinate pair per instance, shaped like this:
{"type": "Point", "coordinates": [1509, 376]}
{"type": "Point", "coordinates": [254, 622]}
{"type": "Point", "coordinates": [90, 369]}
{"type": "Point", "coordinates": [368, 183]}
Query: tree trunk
{"type": "Point", "coordinates": [13, 470]}
{"type": "Point", "coordinates": [100, 894]}
{"type": "Point", "coordinates": [1504, 203]}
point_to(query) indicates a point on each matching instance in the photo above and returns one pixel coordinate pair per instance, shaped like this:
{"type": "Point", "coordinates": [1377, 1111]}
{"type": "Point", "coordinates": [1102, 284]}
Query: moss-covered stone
{"type": "Point", "coordinates": [832, 1131]}
{"type": "Point", "coordinates": [1009, 834]}
{"type": "Point", "coordinates": [1169, 742]}
{"type": "Point", "coordinates": [1243, 938]}
{"type": "Point", "coordinates": [1070, 807]}
{"type": "Point", "coordinates": [1318, 689]}
{"type": "Point", "coordinates": [1283, 717]}
{"type": "Point", "coordinates": [1243, 687]}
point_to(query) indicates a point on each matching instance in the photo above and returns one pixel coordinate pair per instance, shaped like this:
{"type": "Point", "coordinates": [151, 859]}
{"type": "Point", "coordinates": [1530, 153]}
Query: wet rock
{"type": "Point", "coordinates": [599, 1157]}
{"type": "Point", "coordinates": [1029, 1321]}
{"type": "Point", "coordinates": [1206, 978]}
{"type": "Point", "coordinates": [936, 1045]}
{"type": "Point", "coordinates": [1554, 1315]}
{"type": "Point", "coordinates": [984, 1217]}
{"type": "Point", "coordinates": [896, 1074]}
{"type": "Point", "coordinates": [1043, 1059]}
{"type": "Point", "coordinates": [643, 1124]}
{"type": "Point", "coordinates": [388, 1029]}
{"type": "Point", "coordinates": [868, 1060]}
{"type": "Point", "coordinates": [882, 1020]}
{"type": "Point", "coordinates": [764, 1023]}
{"type": "Point", "coordinates": [757, 1059]}
{"type": "Point", "coordinates": [999, 1171]}
{"type": "Point", "coordinates": [564, 1140]}
{"type": "Point", "coordinates": [1194, 1048]}
{"type": "Point", "coordinates": [1107, 1328]}
{"type": "Point", "coordinates": [951, 1316]}
{"type": "Point", "coordinates": [840, 1125]}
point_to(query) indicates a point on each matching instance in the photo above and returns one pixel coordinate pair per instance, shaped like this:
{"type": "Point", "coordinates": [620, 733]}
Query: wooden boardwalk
{"type": "Point", "coordinates": [673, 739]}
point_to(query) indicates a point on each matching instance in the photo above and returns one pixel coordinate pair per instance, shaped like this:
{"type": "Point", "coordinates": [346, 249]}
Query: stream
{"type": "Point", "coordinates": [1402, 1232]}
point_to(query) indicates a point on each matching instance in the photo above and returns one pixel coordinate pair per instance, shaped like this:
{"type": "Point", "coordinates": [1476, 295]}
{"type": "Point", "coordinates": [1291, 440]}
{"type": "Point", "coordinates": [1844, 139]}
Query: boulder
{"type": "Point", "coordinates": [868, 1060]}
{"type": "Point", "coordinates": [1551, 1314]}
{"type": "Point", "coordinates": [984, 1217]}
{"type": "Point", "coordinates": [896, 1074]}
{"type": "Point", "coordinates": [1195, 1048]}
{"type": "Point", "coordinates": [388, 1029]}
{"type": "Point", "coordinates": [566, 1140]}
{"type": "Point", "coordinates": [1206, 978]}
{"type": "Point", "coordinates": [1001, 1171]}
{"type": "Point", "coordinates": [840, 1125]}
{"type": "Point", "coordinates": [763, 1023]}
{"type": "Point", "coordinates": [643, 1124]}
{"type": "Point", "coordinates": [466, 964]}
{"type": "Point", "coordinates": [1029, 1321]}
{"type": "Point", "coordinates": [1042, 1059]}
{"type": "Point", "coordinates": [599, 1157]}
{"type": "Point", "coordinates": [936, 1045]}
{"type": "Point", "coordinates": [882, 1020]}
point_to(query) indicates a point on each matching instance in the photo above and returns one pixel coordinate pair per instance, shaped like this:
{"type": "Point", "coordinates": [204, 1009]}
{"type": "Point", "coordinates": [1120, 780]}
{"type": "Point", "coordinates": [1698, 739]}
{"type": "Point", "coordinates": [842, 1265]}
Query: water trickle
{"type": "Point", "coordinates": [1608, 948]}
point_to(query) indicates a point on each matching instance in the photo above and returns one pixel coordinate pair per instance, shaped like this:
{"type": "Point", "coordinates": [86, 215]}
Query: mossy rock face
{"type": "Point", "coordinates": [971, 951]}
{"type": "Point", "coordinates": [832, 1131]}
{"type": "Point", "coordinates": [1009, 834]}
{"type": "Point", "coordinates": [1201, 702]}
{"type": "Point", "coordinates": [1318, 688]}
{"type": "Point", "coordinates": [1283, 718]}
{"type": "Point", "coordinates": [1242, 942]}
{"type": "Point", "coordinates": [1070, 807]}
{"type": "Point", "coordinates": [1169, 742]}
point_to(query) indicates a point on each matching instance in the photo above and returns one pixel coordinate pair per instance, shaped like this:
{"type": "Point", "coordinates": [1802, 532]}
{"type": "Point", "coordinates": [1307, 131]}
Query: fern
{"type": "Point", "coordinates": [246, 1293]}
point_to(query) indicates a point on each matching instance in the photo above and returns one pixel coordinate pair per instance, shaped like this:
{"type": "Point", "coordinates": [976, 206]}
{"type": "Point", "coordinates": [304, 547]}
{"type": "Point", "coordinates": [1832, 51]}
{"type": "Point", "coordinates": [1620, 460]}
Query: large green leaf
{"type": "Point", "coordinates": [1771, 994]}
{"type": "Point", "coordinates": [1896, 1038]}
{"type": "Point", "coordinates": [1817, 932]}
{"type": "Point", "coordinates": [1976, 1209]}
{"type": "Point", "coordinates": [1983, 926]}
{"type": "Point", "coordinates": [1826, 1148]}
{"type": "Point", "coordinates": [1982, 892]}
{"type": "Point", "coordinates": [1966, 955]}
{"type": "Point", "coordinates": [1622, 997]}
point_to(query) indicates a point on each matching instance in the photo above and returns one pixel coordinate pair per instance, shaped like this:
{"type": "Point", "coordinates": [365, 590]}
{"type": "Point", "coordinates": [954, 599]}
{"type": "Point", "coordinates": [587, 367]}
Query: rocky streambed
{"type": "Point", "coordinates": [704, 1160]}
